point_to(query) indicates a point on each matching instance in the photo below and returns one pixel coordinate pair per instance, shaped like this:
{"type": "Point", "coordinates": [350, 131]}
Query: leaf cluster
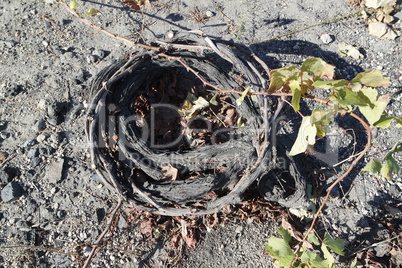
{"type": "Point", "coordinates": [345, 96]}
{"type": "Point", "coordinates": [281, 250]}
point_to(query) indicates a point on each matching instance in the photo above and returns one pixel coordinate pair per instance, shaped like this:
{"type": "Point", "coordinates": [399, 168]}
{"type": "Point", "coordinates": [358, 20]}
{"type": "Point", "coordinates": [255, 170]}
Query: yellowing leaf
{"type": "Point", "coordinates": [318, 67]}
{"type": "Point", "coordinates": [280, 77]}
{"type": "Point", "coordinates": [375, 109]}
{"type": "Point", "coordinates": [243, 95]}
{"type": "Point", "coordinates": [296, 95]}
{"type": "Point", "coordinates": [73, 4]}
{"type": "Point", "coordinates": [349, 50]}
{"type": "Point", "coordinates": [372, 78]}
{"type": "Point", "coordinates": [213, 100]}
{"type": "Point", "coordinates": [305, 137]}
{"type": "Point", "coordinates": [192, 110]}
{"type": "Point", "coordinates": [92, 12]}
{"type": "Point", "coordinates": [327, 255]}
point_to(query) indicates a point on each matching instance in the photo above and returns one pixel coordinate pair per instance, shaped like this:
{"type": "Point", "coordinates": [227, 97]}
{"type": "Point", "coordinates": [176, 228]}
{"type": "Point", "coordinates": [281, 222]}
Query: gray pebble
{"type": "Point", "coordinates": [12, 90]}
{"type": "Point", "coordinates": [4, 176]}
{"type": "Point", "coordinates": [34, 152]}
{"type": "Point", "coordinates": [9, 43]}
{"type": "Point", "coordinates": [77, 107]}
{"type": "Point", "coordinates": [99, 53]}
{"type": "Point", "coordinates": [30, 143]}
{"type": "Point", "coordinates": [57, 51]}
{"type": "Point", "coordinates": [48, 24]}
{"type": "Point", "coordinates": [80, 77]}
{"type": "Point", "coordinates": [91, 59]}
{"type": "Point", "coordinates": [52, 121]}
{"type": "Point", "coordinates": [40, 125]}
{"type": "Point", "coordinates": [35, 162]}
{"type": "Point", "coordinates": [52, 110]}
{"type": "Point", "coordinates": [11, 192]}
{"type": "Point", "coordinates": [29, 173]}
{"type": "Point", "coordinates": [41, 137]}
{"type": "Point", "coordinates": [95, 177]}
{"type": "Point", "coordinates": [60, 214]}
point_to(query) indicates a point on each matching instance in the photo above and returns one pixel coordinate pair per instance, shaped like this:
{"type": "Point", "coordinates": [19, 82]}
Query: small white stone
{"type": "Point", "coordinates": [41, 138]}
{"type": "Point", "coordinates": [380, 67]}
{"type": "Point", "coordinates": [209, 14]}
{"type": "Point", "coordinates": [326, 38]}
{"type": "Point", "coordinates": [45, 43]}
{"type": "Point", "coordinates": [170, 34]}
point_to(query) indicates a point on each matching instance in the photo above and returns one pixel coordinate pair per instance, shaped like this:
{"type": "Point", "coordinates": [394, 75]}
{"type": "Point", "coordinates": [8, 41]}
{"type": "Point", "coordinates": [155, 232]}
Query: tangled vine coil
{"type": "Point", "coordinates": [132, 164]}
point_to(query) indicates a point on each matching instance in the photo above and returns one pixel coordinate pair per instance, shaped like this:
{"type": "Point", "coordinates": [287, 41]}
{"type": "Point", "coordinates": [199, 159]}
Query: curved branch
{"type": "Point", "coordinates": [352, 165]}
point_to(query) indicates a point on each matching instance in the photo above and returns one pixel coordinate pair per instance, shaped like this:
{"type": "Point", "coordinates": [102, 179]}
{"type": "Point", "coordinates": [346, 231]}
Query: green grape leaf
{"type": "Point", "coordinates": [296, 94]}
{"type": "Point", "coordinates": [92, 12]}
{"type": "Point", "coordinates": [318, 67]}
{"type": "Point", "coordinates": [375, 108]}
{"type": "Point", "coordinates": [280, 249]}
{"type": "Point", "coordinates": [305, 137]}
{"type": "Point", "coordinates": [354, 263]}
{"type": "Point", "coordinates": [372, 78]}
{"type": "Point", "coordinates": [385, 121]}
{"type": "Point", "coordinates": [213, 100]}
{"type": "Point", "coordinates": [243, 95]}
{"type": "Point", "coordinates": [336, 245]}
{"type": "Point", "coordinates": [322, 118]}
{"type": "Point", "coordinates": [73, 4]}
{"type": "Point", "coordinates": [373, 167]}
{"type": "Point", "coordinates": [313, 239]}
{"type": "Point", "coordinates": [313, 260]}
{"type": "Point", "coordinates": [321, 132]}
{"type": "Point", "coordinates": [330, 84]}
{"type": "Point", "coordinates": [390, 166]}
{"type": "Point", "coordinates": [327, 255]}
{"type": "Point", "coordinates": [280, 77]}
{"type": "Point", "coordinates": [346, 96]}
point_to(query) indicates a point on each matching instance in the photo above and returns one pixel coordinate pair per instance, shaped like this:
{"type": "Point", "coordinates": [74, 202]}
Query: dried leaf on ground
{"type": "Point", "coordinates": [146, 228]}
{"type": "Point", "coordinates": [295, 234]}
{"type": "Point", "coordinates": [379, 3]}
{"type": "Point", "coordinates": [349, 50]}
{"type": "Point", "coordinates": [137, 4]}
{"type": "Point", "coordinates": [169, 173]}
{"type": "Point", "coordinates": [188, 234]}
{"type": "Point", "coordinates": [381, 30]}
